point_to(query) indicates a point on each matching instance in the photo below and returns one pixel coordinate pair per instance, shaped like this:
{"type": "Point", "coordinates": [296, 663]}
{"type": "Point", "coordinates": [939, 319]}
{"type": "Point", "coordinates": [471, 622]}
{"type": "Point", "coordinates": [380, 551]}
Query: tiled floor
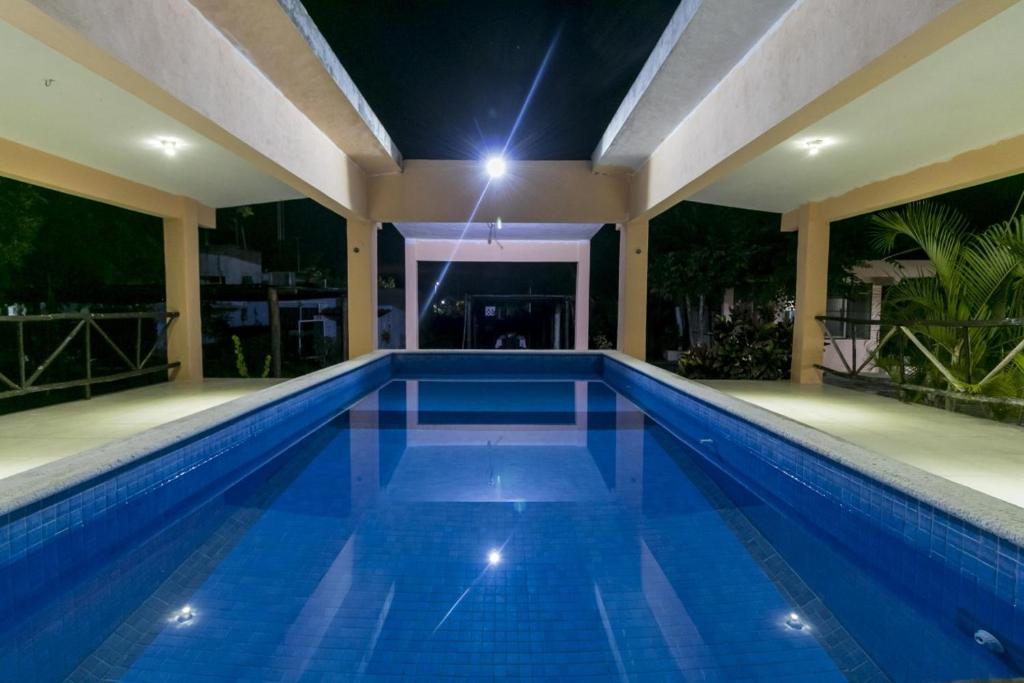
{"type": "Point", "coordinates": [35, 437]}
{"type": "Point", "coordinates": [982, 454]}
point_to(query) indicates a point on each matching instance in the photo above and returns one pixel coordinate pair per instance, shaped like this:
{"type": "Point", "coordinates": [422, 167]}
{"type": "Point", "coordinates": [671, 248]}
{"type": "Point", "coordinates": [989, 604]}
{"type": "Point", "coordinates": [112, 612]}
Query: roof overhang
{"type": "Point", "coordinates": [965, 96]}
{"type": "Point", "coordinates": [102, 84]}
{"type": "Point", "coordinates": [702, 42]}
{"type": "Point", "coordinates": [283, 42]}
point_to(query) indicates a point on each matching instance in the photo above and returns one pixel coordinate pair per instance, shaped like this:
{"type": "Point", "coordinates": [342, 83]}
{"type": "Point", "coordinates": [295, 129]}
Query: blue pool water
{"type": "Point", "coordinates": [494, 530]}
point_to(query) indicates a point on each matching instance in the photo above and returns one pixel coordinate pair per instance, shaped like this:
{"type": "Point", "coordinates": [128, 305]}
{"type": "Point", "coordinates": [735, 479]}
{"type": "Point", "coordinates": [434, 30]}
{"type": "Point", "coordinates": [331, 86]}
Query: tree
{"type": "Point", "coordinates": [65, 247]}
{"type": "Point", "coordinates": [20, 221]}
{"type": "Point", "coordinates": [700, 250]}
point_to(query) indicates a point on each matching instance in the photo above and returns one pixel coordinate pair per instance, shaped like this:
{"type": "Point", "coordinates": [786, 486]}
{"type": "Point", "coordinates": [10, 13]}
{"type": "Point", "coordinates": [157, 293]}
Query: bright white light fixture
{"type": "Point", "coordinates": [170, 147]}
{"type": "Point", "coordinates": [493, 557]}
{"type": "Point", "coordinates": [793, 621]}
{"type": "Point", "coordinates": [497, 223]}
{"type": "Point", "coordinates": [495, 166]}
{"type": "Point", "coordinates": [815, 145]}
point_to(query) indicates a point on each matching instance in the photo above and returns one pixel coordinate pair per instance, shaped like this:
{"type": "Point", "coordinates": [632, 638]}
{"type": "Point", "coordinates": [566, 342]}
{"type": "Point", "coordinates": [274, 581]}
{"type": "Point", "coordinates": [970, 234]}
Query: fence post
{"type": "Point", "coordinates": [853, 348]}
{"type": "Point", "coordinates": [88, 356]}
{"type": "Point", "coordinates": [273, 304]}
{"type": "Point", "coordinates": [967, 353]}
{"type": "Point", "coordinates": [21, 354]}
{"type": "Point", "coordinates": [903, 363]}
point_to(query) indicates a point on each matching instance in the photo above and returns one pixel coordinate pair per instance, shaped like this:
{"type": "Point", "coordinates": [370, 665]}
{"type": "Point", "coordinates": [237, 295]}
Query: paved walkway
{"type": "Point", "coordinates": [983, 454]}
{"type": "Point", "coordinates": [35, 437]}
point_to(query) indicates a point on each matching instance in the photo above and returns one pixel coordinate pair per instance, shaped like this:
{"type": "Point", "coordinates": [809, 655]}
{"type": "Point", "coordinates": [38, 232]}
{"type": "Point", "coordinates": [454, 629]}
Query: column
{"type": "Point", "coordinates": [632, 331]}
{"type": "Point", "coordinates": [362, 287]}
{"type": "Point", "coordinates": [412, 297]}
{"type": "Point", "coordinates": [582, 341]}
{"type": "Point", "coordinates": [811, 294]}
{"type": "Point", "coordinates": [181, 285]}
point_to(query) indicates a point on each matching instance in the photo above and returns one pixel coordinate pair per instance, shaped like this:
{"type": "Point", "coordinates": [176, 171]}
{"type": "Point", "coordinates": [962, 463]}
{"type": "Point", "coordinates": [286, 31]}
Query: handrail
{"type": "Point", "coordinates": [1005, 322]}
{"type": "Point", "coordinates": [87, 322]}
{"type": "Point", "coordinates": [962, 389]}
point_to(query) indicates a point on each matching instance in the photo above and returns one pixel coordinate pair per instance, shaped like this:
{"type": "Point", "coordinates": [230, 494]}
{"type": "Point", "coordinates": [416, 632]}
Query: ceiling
{"type": "Point", "coordinates": [448, 78]}
{"type": "Point", "coordinates": [965, 96]}
{"type": "Point", "coordinates": [86, 119]}
{"type": "Point", "coordinates": [509, 231]}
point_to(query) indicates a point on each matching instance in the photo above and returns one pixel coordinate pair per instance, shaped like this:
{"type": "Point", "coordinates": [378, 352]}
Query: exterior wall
{"type": "Point", "coordinates": [230, 269]}
{"type": "Point", "coordinates": [529, 192]}
{"type": "Point", "coordinates": [512, 251]}
{"type": "Point", "coordinates": [845, 347]}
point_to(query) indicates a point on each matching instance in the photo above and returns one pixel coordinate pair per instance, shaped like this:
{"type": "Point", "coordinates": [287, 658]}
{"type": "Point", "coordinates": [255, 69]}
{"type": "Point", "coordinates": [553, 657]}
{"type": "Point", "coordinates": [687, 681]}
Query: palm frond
{"type": "Point", "coordinates": [937, 229]}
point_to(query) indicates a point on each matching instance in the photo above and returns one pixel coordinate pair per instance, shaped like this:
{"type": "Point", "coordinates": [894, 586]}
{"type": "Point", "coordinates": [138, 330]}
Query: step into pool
{"type": "Point", "coordinates": [498, 517]}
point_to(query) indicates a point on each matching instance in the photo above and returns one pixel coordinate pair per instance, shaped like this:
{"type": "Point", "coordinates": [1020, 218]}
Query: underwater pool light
{"type": "Point", "coordinates": [493, 557]}
{"type": "Point", "coordinates": [185, 614]}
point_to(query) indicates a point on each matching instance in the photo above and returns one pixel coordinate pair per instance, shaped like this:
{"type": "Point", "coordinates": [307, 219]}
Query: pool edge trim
{"type": "Point", "coordinates": [31, 486]}
{"type": "Point", "coordinates": [988, 513]}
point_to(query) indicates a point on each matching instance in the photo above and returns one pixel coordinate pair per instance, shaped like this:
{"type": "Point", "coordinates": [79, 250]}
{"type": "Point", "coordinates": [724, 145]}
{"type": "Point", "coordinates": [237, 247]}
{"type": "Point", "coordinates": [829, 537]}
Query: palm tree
{"type": "Point", "coordinates": [979, 277]}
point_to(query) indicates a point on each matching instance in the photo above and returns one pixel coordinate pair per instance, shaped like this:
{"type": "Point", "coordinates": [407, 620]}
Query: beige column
{"type": "Point", "coordinates": [811, 293]}
{"type": "Point", "coordinates": [362, 287]}
{"type": "Point", "coordinates": [632, 330]}
{"type": "Point", "coordinates": [412, 297]}
{"type": "Point", "coordinates": [582, 332]}
{"type": "Point", "coordinates": [181, 283]}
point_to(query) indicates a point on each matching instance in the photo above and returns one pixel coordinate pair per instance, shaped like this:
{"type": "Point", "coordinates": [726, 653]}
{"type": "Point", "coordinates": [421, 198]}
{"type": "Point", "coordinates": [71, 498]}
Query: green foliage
{"type": "Point", "coordinates": [58, 248]}
{"type": "Point", "coordinates": [241, 365]}
{"type": "Point", "coordinates": [979, 276]}
{"type": "Point", "coordinates": [20, 220]}
{"type": "Point", "coordinates": [700, 249]}
{"type": "Point", "coordinates": [600, 341]}
{"type": "Point", "coordinates": [742, 348]}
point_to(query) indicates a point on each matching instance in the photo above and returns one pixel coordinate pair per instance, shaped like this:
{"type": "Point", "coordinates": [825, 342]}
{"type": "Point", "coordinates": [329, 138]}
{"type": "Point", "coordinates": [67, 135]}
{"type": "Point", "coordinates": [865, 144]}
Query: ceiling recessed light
{"type": "Point", "coordinates": [170, 147]}
{"type": "Point", "coordinates": [814, 145]}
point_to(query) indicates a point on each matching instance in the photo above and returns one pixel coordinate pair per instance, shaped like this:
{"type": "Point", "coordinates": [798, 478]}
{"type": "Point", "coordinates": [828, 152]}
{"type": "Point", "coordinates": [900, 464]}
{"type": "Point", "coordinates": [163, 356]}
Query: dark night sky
{"type": "Point", "coordinates": [448, 77]}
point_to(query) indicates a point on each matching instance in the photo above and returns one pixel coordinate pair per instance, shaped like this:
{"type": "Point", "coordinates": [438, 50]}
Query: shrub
{"type": "Point", "coordinates": [741, 348]}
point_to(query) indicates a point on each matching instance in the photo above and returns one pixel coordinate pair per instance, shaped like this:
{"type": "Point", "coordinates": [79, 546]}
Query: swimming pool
{"type": "Point", "coordinates": [500, 516]}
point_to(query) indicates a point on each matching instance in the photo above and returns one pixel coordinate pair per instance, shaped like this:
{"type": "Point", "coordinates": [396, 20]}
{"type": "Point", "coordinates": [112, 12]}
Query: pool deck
{"type": "Point", "coordinates": [35, 437]}
{"type": "Point", "coordinates": [985, 455]}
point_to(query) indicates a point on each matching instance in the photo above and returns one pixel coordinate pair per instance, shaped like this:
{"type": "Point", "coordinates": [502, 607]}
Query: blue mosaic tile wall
{"type": "Point", "coordinates": [119, 507]}
{"type": "Point", "coordinates": [445, 365]}
{"type": "Point", "coordinates": [947, 562]}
